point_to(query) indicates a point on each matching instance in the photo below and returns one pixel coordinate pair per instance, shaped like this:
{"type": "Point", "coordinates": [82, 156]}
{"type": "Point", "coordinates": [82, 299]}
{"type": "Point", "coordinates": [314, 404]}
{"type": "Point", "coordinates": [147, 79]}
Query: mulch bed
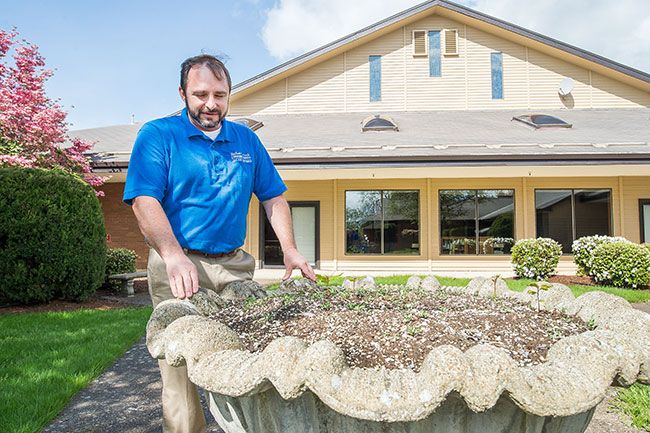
{"type": "Point", "coordinates": [397, 328]}
{"type": "Point", "coordinates": [101, 300]}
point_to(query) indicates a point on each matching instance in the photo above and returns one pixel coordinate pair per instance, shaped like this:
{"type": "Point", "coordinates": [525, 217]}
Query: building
{"type": "Point", "coordinates": [431, 141]}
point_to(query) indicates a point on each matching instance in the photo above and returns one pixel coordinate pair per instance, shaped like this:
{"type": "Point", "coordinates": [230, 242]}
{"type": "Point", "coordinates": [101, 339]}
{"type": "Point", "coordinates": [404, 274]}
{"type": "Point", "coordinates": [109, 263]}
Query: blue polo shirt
{"type": "Point", "coordinates": [204, 186]}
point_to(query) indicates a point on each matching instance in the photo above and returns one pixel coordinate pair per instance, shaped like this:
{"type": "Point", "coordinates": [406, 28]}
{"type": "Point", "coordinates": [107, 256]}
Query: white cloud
{"type": "Point", "coordinates": [617, 30]}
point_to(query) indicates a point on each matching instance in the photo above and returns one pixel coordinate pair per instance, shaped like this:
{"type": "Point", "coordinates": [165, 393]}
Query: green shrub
{"type": "Point", "coordinates": [119, 261]}
{"type": "Point", "coordinates": [622, 264]}
{"type": "Point", "coordinates": [52, 236]}
{"type": "Point", "coordinates": [583, 251]}
{"type": "Point", "coordinates": [536, 258]}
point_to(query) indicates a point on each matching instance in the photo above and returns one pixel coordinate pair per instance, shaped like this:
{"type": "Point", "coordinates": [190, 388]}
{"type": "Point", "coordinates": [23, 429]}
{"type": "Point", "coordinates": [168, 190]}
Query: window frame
{"type": "Point", "coordinates": [610, 221]}
{"type": "Point", "coordinates": [476, 221]}
{"type": "Point", "coordinates": [381, 193]}
{"type": "Point", "coordinates": [643, 202]}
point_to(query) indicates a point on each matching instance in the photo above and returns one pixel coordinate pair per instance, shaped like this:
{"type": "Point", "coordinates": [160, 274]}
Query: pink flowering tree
{"type": "Point", "coordinates": [33, 128]}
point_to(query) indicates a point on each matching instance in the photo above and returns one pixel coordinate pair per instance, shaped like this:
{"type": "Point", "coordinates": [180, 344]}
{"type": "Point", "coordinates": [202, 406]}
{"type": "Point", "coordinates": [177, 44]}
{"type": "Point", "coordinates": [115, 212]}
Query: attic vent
{"type": "Point", "coordinates": [419, 43]}
{"type": "Point", "coordinates": [542, 121]}
{"type": "Point", "coordinates": [251, 123]}
{"type": "Point", "coordinates": [378, 123]}
{"type": "Point", "coordinates": [451, 42]}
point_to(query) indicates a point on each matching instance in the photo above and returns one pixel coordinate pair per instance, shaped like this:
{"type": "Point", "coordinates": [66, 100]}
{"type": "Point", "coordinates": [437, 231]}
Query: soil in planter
{"type": "Point", "coordinates": [396, 327]}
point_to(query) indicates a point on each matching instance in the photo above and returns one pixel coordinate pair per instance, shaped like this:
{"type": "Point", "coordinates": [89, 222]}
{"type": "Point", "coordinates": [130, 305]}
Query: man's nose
{"type": "Point", "coordinates": [211, 103]}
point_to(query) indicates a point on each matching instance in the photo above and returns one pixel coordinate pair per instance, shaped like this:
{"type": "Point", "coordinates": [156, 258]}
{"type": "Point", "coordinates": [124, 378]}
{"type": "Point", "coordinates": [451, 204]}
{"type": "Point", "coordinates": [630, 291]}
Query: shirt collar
{"type": "Point", "coordinates": [192, 131]}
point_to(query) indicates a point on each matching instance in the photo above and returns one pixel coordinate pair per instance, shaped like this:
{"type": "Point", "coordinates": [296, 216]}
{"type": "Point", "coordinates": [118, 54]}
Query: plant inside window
{"type": "Point", "coordinates": [476, 221]}
{"type": "Point", "coordinates": [382, 222]}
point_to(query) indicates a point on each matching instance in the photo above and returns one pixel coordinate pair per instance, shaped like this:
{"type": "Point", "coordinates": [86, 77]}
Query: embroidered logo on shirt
{"type": "Point", "coordinates": [241, 157]}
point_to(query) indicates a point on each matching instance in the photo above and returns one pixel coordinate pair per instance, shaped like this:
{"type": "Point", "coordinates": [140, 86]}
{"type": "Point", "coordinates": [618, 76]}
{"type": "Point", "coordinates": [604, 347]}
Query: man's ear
{"type": "Point", "coordinates": [180, 92]}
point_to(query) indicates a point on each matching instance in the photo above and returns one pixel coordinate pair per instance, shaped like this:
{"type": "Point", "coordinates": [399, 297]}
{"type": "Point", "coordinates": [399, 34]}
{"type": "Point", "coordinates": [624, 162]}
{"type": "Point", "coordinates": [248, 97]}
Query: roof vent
{"type": "Point", "coordinates": [419, 43]}
{"type": "Point", "coordinates": [250, 123]}
{"type": "Point", "coordinates": [542, 121]}
{"type": "Point", "coordinates": [378, 123]}
{"type": "Point", "coordinates": [451, 42]}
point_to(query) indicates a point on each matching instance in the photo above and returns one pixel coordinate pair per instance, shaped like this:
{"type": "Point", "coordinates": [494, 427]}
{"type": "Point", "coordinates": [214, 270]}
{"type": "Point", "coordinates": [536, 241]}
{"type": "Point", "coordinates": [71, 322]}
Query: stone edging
{"type": "Point", "coordinates": [574, 378]}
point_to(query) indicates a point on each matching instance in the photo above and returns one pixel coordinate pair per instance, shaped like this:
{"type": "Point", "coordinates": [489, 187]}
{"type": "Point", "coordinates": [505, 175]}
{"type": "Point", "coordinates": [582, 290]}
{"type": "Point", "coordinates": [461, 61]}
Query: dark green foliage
{"type": "Point", "coordinates": [52, 236]}
{"type": "Point", "coordinates": [119, 261]}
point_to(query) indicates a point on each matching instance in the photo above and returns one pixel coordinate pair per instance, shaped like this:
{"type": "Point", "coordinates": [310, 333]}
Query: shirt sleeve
{"type": "Point", "coordinates": [267, 183]}
{"type": "Point", "coordinates": [148, 166]}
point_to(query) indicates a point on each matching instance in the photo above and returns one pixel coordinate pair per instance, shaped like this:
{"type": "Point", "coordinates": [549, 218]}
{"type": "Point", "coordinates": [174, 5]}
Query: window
{"type": "Point", "coordinates": [644, 210]}
{"type": "Point", "coordinates": [568, 214]}
{"type": "Point", "coordinates": [542, 121]}
{"type": "Point", "coordinates": [251, 123]}
{"type": "Point", "coordinates": [434, 53]}
{"type": "Point", "coordinates": [375, 78]}
{"type": "Point", "coordinates": [378, 123]}
{"type": "Point", "coordinates": [496, 60]}
{"type": "Point", "coordinates": [382, 222]}
{"type": "Point", "coordinates": [476, 221]}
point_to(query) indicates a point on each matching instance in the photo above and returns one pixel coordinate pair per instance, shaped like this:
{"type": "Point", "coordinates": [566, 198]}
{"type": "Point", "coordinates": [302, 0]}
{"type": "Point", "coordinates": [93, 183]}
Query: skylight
{"type": "Point", "coordinates": [378, 123]}
{"type": "Point", "coordinates": [251, 123]}
{"type": "Point", "coordinates": [542, 121]}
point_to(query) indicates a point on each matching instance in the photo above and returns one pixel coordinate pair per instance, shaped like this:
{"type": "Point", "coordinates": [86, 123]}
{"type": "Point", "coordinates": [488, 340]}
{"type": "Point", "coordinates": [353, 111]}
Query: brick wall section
{"type": "Point", "coordinates": [121, 224]}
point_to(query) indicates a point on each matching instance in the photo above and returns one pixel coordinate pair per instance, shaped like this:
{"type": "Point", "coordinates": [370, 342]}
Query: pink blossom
{"type": "Point", "coordinates": [33, 128]}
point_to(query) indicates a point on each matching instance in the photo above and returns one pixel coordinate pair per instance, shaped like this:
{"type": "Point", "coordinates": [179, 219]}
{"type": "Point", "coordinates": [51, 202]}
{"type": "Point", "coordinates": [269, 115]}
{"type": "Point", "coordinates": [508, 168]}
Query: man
{"type": "Point", "coordinates": [190, 181]}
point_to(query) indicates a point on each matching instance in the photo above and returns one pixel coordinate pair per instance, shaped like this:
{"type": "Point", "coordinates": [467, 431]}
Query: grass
{"type": "Point", "coordinates": [635, 402]}
{"type": "Point", "coordinates": [45, 358]}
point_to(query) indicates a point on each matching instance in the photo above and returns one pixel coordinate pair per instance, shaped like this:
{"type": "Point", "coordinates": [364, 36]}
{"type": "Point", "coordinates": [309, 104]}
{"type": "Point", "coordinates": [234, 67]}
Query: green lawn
{"type": "Point", "coordinates": [45, 358]}
{"type": "Point", "coordinates": [635, 402]}
{"type": "Point", "coordinates": [518, 285]}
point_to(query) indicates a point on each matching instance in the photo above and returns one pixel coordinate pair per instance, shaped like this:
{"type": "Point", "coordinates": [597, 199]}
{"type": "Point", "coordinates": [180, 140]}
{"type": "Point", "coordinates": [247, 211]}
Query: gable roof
{"type": "Point", "coordinates": [639, 78]}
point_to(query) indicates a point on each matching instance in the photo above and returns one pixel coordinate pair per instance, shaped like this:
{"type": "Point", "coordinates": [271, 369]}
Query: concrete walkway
{"type": "Point", "coordinates": [126, 399]}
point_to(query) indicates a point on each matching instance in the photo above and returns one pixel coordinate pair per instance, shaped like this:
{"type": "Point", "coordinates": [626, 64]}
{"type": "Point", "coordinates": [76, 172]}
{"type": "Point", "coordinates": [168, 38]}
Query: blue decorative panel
{"type": "Point", "coordinates": [497, 75]}
{"type": "Point", "coordinates": [375, 78]}
{"type": "Point", "coordinates": [435, 69]}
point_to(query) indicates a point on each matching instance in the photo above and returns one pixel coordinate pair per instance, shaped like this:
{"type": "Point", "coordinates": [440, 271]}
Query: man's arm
{"type": "Point", "coordinates": [154, 225]}
{"type": "Point", "coordinates": [279, 214]}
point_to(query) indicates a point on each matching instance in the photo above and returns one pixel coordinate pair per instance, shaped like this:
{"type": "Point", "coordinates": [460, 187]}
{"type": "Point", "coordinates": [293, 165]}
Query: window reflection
{"type": "Point", "coordinates": [476, 221]}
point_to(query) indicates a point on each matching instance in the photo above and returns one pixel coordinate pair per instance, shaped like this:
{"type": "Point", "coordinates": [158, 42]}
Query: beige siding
{"type": "Point", "coordinates": [391, 49]}
{"type": "Point", "coordinates": [633, 189]}
{"type": "Point", "coordinates": [447, 92]}
{"type": "Point", "coordinates": [546, 74]}
{"type": "Point", "coordinates": [269, 100]}
{"type": "Point", "coordinates": [609, 93]}
{"type": "Point", "coordinates": [530, 79]}
{"type": "Point", "coordinates": [318, 89]}
{"type": "Point", "coordinates": [480, 45]}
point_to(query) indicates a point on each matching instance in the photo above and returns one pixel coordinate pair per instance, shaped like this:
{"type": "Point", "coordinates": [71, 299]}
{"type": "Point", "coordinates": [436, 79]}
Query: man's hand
{"type": "Point", "coordinates": [183, 276]}
{"type": "Point", "coordinates": [294, 260]}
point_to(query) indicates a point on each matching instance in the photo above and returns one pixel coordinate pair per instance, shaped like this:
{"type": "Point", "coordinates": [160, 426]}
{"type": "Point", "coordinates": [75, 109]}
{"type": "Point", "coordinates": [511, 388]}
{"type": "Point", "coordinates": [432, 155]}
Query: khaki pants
{"type": "Point", "coordinates": [182, 412]}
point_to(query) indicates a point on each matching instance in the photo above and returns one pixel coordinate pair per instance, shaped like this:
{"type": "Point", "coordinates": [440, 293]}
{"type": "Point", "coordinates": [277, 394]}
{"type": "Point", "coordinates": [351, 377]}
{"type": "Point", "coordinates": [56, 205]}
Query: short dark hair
{"type": "Point", "coordinates": [216, 66]}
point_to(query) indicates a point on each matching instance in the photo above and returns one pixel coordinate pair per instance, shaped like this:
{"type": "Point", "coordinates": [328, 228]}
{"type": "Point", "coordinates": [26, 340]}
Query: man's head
{"type": "Point", "coordinates": [205, 89]}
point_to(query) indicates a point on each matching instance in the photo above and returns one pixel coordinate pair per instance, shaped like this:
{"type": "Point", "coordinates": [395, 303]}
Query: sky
{"type": "Point", "coordinates": [115, 59]}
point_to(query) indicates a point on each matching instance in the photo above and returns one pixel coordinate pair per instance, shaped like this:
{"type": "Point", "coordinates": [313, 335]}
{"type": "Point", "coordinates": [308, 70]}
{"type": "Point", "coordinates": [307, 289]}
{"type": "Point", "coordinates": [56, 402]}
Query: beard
{"type": "Point", "coordinates": [207, 124]}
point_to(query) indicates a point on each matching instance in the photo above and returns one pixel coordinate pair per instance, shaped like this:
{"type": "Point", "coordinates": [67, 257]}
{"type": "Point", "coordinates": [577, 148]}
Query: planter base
{"type": "Point", "coordinates": [268, 412]}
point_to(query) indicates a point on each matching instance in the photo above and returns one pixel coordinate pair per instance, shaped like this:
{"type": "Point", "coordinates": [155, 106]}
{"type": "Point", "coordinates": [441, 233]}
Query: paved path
{"type": "Point", "coordinates": [126, 399]}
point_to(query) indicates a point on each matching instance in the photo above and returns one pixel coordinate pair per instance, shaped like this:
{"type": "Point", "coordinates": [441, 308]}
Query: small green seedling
{"type": "Point", "coordinates": [326, 280]}
{"type": "Point", "coordinates": [539, 286]}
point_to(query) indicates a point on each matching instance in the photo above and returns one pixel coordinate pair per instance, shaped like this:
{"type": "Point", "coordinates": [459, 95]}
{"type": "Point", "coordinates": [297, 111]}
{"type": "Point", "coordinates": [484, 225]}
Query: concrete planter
{"type": "Point", "coordinates": [294, 388]}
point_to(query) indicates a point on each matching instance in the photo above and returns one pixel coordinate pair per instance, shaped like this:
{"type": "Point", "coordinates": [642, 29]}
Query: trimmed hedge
{"type": "Point", "coordinates": [583, 251]}
{"type": "Point", "coordinates": [52, 236]}
{"type": "Point", "coordinates": [622, 264]}
{"type": "Point", "coordinates": [119, 261]}
{"type": "Point", "coordinates": [536, 258]}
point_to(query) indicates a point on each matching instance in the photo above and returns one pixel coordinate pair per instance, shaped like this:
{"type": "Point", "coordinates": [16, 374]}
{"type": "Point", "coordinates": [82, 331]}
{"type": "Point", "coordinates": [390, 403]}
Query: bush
{"type": "Point", "coordinates": [52, 236]}
{"type": "Point", "coordinates": [583, 251]}
{"type": "Point", "coordinates": [622, 264]}
{"type": "Point", "coordinates": [119, 261]}
{"type": "Point", "coordinates": [536, 258]}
